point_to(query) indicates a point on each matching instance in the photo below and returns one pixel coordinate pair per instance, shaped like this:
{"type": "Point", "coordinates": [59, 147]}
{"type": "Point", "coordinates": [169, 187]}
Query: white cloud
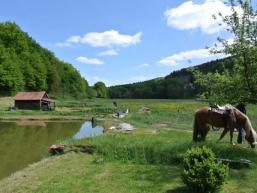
{"type": "Point", "coordinates": [96, 78]}
{"type": "Point", "coordinates": [108, 39]}
{"type": "Point", "coordinates": [85, 60]}
{"type": "Point", "coordinates": [73, 39]}
{"type": "Point", "coordinates": [70, 41]}
{"type": "Point", "coordinates": [190, 15]}
{"type": "Point", "coordinates": [110, 52]}
{"type": "Point", "coordinates": [111, 38]}
{"type": "Point", "coordinates": [64, 44]}
{"type": "Point", "coordinates": [143, 65]}
{"type": "Point", "coordinates": [188, 56]}
{"type": "Point", "coordinates": [112, 82]}
{"type": "Point", "coordinates": [93, 79]}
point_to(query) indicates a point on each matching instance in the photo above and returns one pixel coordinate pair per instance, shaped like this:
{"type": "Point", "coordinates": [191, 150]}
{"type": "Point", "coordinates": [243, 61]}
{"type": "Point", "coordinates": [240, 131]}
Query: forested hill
{"type": "Point", "coordinates": [26, 66]}
{"type": "Point", "coordinates": [177, 85]}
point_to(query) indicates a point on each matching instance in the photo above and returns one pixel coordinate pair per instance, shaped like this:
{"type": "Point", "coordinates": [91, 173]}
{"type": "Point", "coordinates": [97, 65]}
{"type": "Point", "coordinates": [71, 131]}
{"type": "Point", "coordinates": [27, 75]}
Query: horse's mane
{"type": "Point", "coordinates": [247, 124]}
{"type": "Point", "coordinates": [248, 128]}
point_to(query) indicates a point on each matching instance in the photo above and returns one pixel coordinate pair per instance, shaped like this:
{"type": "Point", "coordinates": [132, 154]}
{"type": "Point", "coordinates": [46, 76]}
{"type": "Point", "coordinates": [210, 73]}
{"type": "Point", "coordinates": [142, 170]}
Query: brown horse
{"type": "Point", "coordinates": [235, 119]}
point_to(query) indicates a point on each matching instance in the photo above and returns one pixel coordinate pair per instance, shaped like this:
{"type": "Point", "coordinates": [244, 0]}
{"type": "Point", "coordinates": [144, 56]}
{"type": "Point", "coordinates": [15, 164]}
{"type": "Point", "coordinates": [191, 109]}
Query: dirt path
{"type": "Point", "coordinates": [180, 130]}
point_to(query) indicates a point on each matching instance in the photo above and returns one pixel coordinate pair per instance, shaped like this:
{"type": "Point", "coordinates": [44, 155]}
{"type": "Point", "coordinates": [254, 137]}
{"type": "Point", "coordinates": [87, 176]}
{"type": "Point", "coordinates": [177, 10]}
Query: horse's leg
{"type": "Point", "coordinates": [196, 130]}
{"type": "Point", "coordinates": [199, 128]}
{"type": "Point", "coordinates": [223, 133]}
{"type": "Point", "coordinates": [231, 136]}
{"type": "Point", "coordinates": [205, 132]}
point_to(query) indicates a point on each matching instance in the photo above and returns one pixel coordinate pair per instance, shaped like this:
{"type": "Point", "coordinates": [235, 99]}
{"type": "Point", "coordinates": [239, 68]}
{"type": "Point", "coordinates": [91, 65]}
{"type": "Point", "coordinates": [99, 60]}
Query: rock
{"type": "Point", "coordinates": [56, 149]}
{"type": "Point", "coordinates": [61, 149]}
{"type": "Point", "coordinates": [125, 127]}
{"type": "Point", "coordinates": [144, 110]}
{"type": "Point", "coordinates": [121, 113]}
{"type": "Point", "coordinates": [122, 127]}
{"type": "Point", "coordinates": [112, 128]}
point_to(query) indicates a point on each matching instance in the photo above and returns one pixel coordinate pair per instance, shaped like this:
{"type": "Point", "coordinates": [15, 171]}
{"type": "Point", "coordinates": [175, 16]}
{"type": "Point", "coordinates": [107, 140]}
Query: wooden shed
{"type": "Point", "coordinates": [34, 100]}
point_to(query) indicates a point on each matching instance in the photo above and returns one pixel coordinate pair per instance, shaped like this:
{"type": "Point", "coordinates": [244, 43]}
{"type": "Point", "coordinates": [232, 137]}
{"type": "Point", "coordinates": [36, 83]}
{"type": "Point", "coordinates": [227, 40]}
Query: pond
{"type": "Point", "coordinates": [25, 142]}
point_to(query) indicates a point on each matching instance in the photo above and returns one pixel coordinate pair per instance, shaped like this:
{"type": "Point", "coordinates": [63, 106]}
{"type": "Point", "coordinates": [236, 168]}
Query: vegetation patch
{"type": "Point", "coordinates": [203, 173]}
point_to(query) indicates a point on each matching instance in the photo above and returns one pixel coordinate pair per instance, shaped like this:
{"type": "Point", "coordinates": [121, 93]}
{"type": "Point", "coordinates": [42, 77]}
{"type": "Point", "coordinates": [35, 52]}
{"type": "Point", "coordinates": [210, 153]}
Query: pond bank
{"type": "Point", "coordinates": [126, 163]}
{"type": "Point", "coordinates": [24, 142]}
{"type": "Point", "coordinates": [145, 160]}
{"type": "Point", "coordinates": [43, 118]}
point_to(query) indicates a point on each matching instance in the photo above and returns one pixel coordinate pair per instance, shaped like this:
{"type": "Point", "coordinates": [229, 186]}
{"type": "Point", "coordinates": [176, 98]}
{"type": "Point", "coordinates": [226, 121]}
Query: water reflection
{"type": "Point", "coordinates": [25, 142]}
{"type": "Point", "coordinates": [88, 129]}
{"type": "Point", "coordinates": [31, 123]}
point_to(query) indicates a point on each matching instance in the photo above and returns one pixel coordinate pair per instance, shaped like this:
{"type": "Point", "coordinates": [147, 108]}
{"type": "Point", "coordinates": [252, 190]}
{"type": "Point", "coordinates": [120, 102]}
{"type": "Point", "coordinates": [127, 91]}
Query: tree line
{"type": "Point", "coordinates": [177, 85]}
{"type": "Point", "coordinates": [26, 66]}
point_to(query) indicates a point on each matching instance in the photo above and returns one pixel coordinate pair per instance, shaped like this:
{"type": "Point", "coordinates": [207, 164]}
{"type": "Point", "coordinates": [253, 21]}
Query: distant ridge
{"type": "Point", "coordinates": [176, 85]}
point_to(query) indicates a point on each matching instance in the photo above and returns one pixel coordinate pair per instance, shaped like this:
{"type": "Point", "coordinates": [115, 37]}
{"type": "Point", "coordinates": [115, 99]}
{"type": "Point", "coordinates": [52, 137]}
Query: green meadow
{"type": "Point", "coordinates": [145, 160]}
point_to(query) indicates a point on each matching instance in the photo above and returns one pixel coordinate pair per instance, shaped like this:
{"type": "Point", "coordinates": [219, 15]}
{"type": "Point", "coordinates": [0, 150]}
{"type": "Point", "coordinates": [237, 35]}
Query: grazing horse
{"type": "Point", "coordinates": [235, 119]}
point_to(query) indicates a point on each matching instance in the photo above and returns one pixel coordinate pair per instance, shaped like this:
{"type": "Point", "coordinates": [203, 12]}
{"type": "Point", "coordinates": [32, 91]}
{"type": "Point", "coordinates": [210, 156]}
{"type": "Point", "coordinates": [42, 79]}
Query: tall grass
{"type": "Point", "coordinates": [164, 148]}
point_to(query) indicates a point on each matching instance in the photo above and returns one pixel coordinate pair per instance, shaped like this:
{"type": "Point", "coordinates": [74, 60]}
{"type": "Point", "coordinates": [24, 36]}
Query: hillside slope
{"type": "Point", "coordinates": [25, 65]}
{"type": "Point", "coordinates": [176, 85]}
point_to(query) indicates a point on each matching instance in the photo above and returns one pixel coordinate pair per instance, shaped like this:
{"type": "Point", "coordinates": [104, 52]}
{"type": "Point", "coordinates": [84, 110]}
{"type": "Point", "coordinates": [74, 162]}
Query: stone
{"type": "Point", "coordinates": [56, 149]}
{"type": "Point", "coordinates": [125, 127]}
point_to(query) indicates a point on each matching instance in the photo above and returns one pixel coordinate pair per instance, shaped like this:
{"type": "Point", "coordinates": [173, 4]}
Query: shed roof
{"type": "Point", "coordinates": [30, 95]}
{"type": "Point", "coordinates": [48, 100]}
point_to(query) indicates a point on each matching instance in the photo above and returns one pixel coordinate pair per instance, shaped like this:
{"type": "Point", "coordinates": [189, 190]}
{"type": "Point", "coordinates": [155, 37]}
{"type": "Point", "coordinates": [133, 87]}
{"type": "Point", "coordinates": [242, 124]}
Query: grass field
{"type": "Point", "coordinates": [65, 110]}
{"type": "Point", "coordinates": [146, 160]}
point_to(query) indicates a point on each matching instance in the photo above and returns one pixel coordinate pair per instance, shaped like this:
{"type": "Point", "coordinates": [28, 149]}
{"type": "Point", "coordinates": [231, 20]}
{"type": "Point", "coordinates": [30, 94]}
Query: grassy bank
{"type": "Point", "coordinates": [65, 110]}
{"type": "Point", "coordinates": [146, 160]}
{"type": "Point", "coordinates": [128, 163]}
{"type": "Point", "coordinates": [82, 174]}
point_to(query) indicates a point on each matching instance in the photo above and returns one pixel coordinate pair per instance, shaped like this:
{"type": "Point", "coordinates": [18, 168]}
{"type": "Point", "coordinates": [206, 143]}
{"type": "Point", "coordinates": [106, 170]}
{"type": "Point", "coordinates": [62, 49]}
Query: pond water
{"type": "Point", "coordinates": [25, 142]}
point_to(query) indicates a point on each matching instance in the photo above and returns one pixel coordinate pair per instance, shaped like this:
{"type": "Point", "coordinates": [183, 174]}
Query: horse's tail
{"type": "Point", "coordinates": [195, 131]}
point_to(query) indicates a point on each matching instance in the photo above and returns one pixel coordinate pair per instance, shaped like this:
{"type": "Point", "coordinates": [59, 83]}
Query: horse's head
{"type": "Point", "coordinates": [251, 138]}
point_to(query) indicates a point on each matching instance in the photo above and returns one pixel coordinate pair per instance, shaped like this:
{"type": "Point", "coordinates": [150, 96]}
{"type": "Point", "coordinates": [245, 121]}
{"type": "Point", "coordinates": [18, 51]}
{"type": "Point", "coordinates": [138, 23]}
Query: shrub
{"type": "Point", "coordinates": [202, 172]}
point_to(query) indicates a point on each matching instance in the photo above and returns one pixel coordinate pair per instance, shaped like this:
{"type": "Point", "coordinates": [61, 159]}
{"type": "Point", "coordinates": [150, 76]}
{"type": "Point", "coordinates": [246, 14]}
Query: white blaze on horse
{"type": "Point", "coordinates": [228, 118]}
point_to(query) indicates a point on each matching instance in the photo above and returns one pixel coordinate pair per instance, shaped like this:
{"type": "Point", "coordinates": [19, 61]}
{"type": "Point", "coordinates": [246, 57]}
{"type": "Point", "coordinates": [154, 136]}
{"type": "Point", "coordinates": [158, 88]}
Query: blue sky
{"type": "Point", "coordinates": [121, 41]}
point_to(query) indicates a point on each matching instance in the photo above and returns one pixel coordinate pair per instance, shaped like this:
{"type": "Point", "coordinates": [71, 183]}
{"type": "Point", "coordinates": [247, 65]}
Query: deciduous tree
{"type": "Point", "coordinates": [240, 83]}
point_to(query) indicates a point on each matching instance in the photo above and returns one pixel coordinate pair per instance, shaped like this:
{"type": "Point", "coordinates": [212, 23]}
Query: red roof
{"type": "Point", "coordinates": [30, 95]}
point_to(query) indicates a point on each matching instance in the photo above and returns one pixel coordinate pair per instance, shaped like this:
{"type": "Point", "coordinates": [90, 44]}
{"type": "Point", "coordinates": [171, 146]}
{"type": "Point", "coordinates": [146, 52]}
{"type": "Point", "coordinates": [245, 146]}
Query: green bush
{"type": "Point", "coordinates": [202, 172]}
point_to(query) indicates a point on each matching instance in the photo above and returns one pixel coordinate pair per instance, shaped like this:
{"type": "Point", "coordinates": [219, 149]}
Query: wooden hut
{"type": "Point", "coordinates": [33, 100]}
